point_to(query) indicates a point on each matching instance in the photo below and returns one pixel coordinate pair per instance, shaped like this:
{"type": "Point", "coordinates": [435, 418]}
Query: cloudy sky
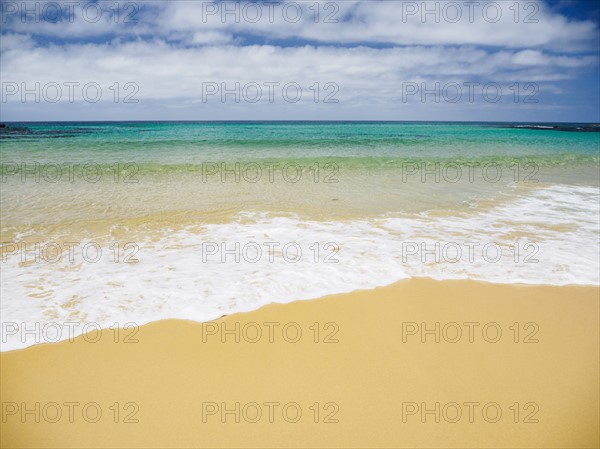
{"type": "Point", "coordinates": [300, 60]}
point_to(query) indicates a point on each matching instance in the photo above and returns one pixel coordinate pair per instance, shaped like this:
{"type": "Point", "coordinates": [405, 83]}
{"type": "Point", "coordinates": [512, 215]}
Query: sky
{"type": "Point", "coordinates": [531, 61]}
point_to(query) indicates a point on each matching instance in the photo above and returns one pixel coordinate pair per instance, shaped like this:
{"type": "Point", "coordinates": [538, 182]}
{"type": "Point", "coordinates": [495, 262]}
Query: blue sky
{"type": "Point", "coordinates": [299, 60]}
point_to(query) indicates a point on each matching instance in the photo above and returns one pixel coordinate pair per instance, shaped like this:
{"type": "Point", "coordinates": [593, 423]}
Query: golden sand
{"type": "Point", "coordinates": [363, 380]}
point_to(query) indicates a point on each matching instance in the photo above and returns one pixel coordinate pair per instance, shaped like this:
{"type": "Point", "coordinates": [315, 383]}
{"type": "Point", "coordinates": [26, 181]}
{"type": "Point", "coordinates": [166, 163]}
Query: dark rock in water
{"type": "Point", "coordinates": [568, 127]}
{"type": "Point", "coordinates": [2, 125]}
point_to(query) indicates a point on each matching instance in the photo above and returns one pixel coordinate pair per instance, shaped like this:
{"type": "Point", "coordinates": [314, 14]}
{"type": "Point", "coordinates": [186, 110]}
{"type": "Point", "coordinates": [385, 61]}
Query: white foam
{"type": "Point", "coordinates": [171, 279]}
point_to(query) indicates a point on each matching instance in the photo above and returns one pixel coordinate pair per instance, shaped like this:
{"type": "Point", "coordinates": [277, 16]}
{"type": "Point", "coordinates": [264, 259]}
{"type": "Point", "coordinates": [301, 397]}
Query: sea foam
{"type": "Point", "coordinates": [549, 236]}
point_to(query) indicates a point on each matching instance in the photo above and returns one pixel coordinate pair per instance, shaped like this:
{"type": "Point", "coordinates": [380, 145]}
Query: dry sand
{"type": "Point", "coordinates": [366, 387]}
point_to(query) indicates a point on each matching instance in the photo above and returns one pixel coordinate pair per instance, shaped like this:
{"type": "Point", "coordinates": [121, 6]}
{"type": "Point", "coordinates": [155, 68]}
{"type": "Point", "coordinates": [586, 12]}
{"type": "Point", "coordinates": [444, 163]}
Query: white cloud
{"type": "Point", "coordinates": [491, 23]}
{"type": "Point", "coordinates": [181, 50]}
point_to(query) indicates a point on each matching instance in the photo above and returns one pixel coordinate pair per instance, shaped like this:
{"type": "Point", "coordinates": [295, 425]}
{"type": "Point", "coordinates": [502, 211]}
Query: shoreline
{"type": "Point", "coordinates": [363, 364]}
{"type": "Point", "coordinates": [365, 291]}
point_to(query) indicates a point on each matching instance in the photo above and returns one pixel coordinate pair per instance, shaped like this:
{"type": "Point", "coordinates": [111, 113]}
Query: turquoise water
{"type": "Point", "coordinates": [323, 170]}
{"type": "Point", "coordinates": [366, 168]}
{"type": "Point", "coordinates": [174, 142]}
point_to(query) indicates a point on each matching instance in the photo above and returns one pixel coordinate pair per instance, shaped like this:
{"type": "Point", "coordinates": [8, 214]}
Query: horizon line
{"type": "Point", "coordinates": [297, 121]}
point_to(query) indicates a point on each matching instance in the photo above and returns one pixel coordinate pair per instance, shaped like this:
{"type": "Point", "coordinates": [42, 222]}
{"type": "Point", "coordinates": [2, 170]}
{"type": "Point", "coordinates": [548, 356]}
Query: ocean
{"type": "Point", "coordinates": [133, 222]}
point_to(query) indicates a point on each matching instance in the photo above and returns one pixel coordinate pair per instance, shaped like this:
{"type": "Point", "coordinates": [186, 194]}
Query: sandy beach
{"type": "Point", "coordinates": [514, 366]}
{"type": "Point", "coordinates": [236, 224]}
